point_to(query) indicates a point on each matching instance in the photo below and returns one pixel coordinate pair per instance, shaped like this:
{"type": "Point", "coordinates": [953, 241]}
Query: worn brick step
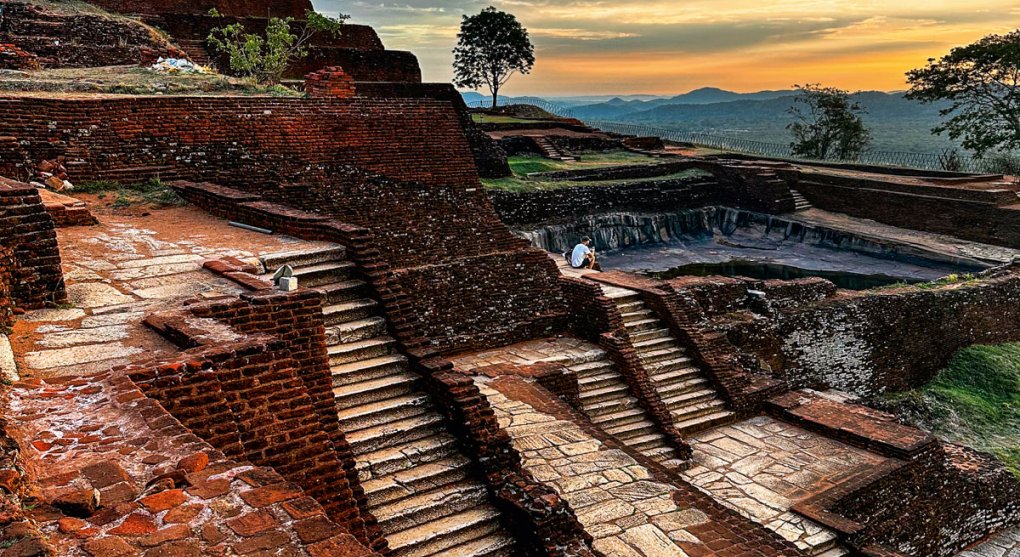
{"type": "Point", "coordinates": [303, 258]}
{"type": "Point", "coordinates": [701, 423]}
{"type": "Point", "coordinates": [629, 306]}
{"type": "Point", "coordinates": [646, 442]}
{"type": "Point", "coordinates": [384, 411]}
{"type": "Point", "coordinates": [361, 350]}
{"type": "Point", "coordinates": [649, 334]}
{"type": "Point", "coordinates": [494, 545]}
{"type": "Point", "coordinates": [429, 506]}
{"type": "Point", "coordinates": [597, 409]}
{"type": "Point", "coordinates": [392, 460]}
{"type": "Point", "coordinates": [395, 434]}
{"type": "Point", "coordinates": [658, 343]}
{"type": "Point", "coordinates": [324, 273]}
{"type": "Point", "coordinates": [345, 291]}
{"type": "Point", "coordinates": [349, 311]}
{"type": "Point", "coordinates": [366, 392]}
{"type": "Point", "coordinates": [591, 368]}
{"type": "Point", "coordinates": [619, 417]}
{"type": "Point", "coordinates": [639, 315]}
{"type": "Point", "coordinates": [659, 355]}
{"type": "Point", "coordinates": [664, 366]}
{"type": "Point", "coordinates": [425, 477]}
{"type": "Point", "coordinates": [632, 429]}
{"type": "Point", "coordinates": [368, 370]}
{"type": "Point", "coordinates": [641, 325]}
{"type": "Point", "coordinates": [599, 381]}
{"type": "Point", "coordinates": [441, 535]}
{"type": "Point", "coordinates": [604, 394]}
{"type": "Point", "coordinates": [353, 331]}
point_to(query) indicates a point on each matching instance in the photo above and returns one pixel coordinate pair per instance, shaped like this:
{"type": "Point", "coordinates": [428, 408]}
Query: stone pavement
{"type": "Point", "coordinates": [1003, 544]}
{"type": "Point", "coordinates": [118, 272]}
{"type": "Point", "coordinates": [763, 466]}
{"type": "Point", "coordinates": [563, 350]}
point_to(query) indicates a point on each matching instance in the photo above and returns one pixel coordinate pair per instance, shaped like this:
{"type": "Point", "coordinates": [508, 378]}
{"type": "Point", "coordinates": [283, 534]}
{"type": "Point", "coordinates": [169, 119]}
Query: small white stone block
{"type": "Point", "coordinates": [287, 284]}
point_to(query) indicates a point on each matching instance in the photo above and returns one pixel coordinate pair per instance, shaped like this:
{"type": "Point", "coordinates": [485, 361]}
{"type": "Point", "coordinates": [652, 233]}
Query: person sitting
{"type": "Point", "coordinates": [583, 256]}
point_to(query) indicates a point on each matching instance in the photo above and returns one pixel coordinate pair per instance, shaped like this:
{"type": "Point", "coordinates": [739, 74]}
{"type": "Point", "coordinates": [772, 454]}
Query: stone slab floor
{"type": "Point", "coordinates": [761, 467]}
{"type": "Point", "coordinates": [120, 270]}
{"type": "Point", "coordinates": [1003, 544]}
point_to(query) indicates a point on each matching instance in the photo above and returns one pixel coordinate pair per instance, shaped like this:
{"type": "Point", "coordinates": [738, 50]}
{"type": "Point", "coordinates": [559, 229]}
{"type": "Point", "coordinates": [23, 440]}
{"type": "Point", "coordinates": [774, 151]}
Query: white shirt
{"type": "Point", "coordinates": [577, 257]}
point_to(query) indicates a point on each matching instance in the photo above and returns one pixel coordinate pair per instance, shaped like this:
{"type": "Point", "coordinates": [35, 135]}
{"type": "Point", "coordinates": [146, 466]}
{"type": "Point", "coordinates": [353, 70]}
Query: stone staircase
{"type": "Point", "coordinates": [196, 49]}
{"type": "Point", "coordinates": [550, 151]}
{"type": "Point", "coordinates": [419, 485]}
{"type": "Point", "coordinates": [801, 203]}
{"type": "Point", "coordinates": [606, 400]}
{"type": "Point", "coordinates": [687, 393]}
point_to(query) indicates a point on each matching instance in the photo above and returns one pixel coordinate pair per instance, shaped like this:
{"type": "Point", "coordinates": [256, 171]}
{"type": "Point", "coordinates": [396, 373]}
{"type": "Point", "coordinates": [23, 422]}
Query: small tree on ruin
{"type": "Point", "coordinates": [827, 124]}
{"type": "Point", "coordinates": [981, 81]}
{"type": "Point", "coordinates": [264, 59]}
{"type": "Point", "coordinates": [492, 46]}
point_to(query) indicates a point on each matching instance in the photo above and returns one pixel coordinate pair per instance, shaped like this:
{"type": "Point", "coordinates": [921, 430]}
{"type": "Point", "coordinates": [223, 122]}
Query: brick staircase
{"type": "Point", "coordinates": [688, 395]}
{"type": "Point", "coordinates": [801, 203]}
{"type": "Point", "coordinates": [550, 151]}
{"type": "Point", "coordinates": [196, 50]}
{"type": "Point", "coordinates": [420, 487]}
{"type": "Point", "coordinates": [606, 400]}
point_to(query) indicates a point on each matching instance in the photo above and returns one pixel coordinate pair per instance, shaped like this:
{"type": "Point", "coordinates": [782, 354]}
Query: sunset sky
{"type": "Point", "coordinates": [671, 46]}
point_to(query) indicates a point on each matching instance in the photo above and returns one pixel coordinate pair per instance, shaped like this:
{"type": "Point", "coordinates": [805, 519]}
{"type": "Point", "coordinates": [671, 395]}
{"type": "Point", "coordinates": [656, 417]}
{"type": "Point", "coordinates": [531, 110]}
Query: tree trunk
{"type": "Point", "coordinates": [495, 96]}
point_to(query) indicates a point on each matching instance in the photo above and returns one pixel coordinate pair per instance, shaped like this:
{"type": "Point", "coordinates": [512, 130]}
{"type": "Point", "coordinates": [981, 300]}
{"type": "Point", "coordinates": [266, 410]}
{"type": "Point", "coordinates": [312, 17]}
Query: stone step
{"type": "Point", "coordinates": [306, 258]}
{"type": "Point", "coordinates": [353, 331]}
{"type": "Point", "coordinates": [620, 417]}
{"type": "Point", "coordinates": [662, 354]}
{"type": "Point", "coordinates": [391, 409]}
{"type": "Point", "coordinates": [324, 273]}
{"type": "Point", "coordinates": [687, 411]}
{"type": "Point", "coordinates": [689, 397]}
{"type": "Point", "coordinates": [618, 294]}
{"type": "Point", "coordinates": [375, 390]}
{"type": "Point", "coordinates": [591, 368]}
{"type": "Point", "coordinates": [666, 456]}
{"type": "Point", "coordinates": [494, 545]}
{"type": "Point", "coordinates": [361, 350]}
{"type": "Point", "coordinates": [629, 306]}
{"type": "Point", "coordinates": [376, 464]}
{"type": "Point", "coordinates": [663, 366]}
{"type": "Point", "coordinates": [649, 334]}
{"type": "Point", "coordinates": [349, 311]}
{"type": "Point", "coordinates": [439, 536]}
{"type": "Point", "coordinates": [641, 325]}
{"type": "Point", "coordinates": [597, 409]}
{"type": "Point", "coordinates": [657, 343]}
{"type": "Point", "coordinates": [701, 423]}
{"type": "Point", "coordinates": [836, 551]}
{"type": "Point", "coordinates": [639, 315]}
{"type": "Point", "coordinates": [598, 381]}
{"type": "Point", "coordinates": [368, 370]}
{"type": "Point", "coordinates": [604, 394]}
{"type": "Point", "coordinates": [668, 378]}
{"type": "Point", "coordinates": [423, 508]}
{"type": "Point", "coordinates": [646, 442]}
{"type": "Point", "coordinates": [344, 291]}
{"type": "Point", "coordinates": [426, 477]}
{"type": "Point", "coordinates": [398, 433]}
{"type": "Point", "coordinates": [632, 430]}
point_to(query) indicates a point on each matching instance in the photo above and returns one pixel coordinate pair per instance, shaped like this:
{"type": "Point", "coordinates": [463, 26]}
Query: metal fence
{"type": "Point", "coordinates": [921, 161]}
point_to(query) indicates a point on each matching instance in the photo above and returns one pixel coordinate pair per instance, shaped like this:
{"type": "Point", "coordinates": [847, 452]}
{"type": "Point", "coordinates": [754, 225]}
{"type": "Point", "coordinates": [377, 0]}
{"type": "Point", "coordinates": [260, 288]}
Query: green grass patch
{"type": "Point", "coordinates": [481, 118]}
{"type": "Point", "coordinates": [518, 184]}
{"type": "Point", "coordinates": [152, 192]}
{"type": "Point", "coordinates": [975, 401]}
{"type": "Point", "coordinates": [523, 166]}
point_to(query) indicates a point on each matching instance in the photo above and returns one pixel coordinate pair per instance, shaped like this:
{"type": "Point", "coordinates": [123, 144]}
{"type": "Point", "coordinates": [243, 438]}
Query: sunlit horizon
{"type": "Point", "coordinates": [658, 47]}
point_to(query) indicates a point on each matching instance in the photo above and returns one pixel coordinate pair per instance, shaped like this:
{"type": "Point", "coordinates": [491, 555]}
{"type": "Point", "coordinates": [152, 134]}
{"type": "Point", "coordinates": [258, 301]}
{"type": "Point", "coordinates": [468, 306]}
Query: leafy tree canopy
{"type": "Point", "coordinates": [492, 46]}
{"type": "Point", "coordinates": [827, 124]}
{"type": "Point", "coordinates": [981, 81]}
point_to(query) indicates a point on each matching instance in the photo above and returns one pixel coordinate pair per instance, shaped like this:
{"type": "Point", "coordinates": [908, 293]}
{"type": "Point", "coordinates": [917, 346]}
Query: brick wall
{"type": "Point", "coordinates": [876, 341]}
{"type": "Point", "coordinates": [256, 8]}
{"type": "Point", "coordinates": [32, 277]}
{"type": "Point", "coordinates": [261, 391]}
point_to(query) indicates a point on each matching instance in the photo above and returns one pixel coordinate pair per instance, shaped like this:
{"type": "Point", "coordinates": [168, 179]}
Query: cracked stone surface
{"type": "Point", "coordinates": [118, 272]}
{"type": "Point", "coordinates": [761, 467]}
{"type": "Point", "coordinates": [1003, 544]}
{"type": "Point", "coordinates": [620, 504]}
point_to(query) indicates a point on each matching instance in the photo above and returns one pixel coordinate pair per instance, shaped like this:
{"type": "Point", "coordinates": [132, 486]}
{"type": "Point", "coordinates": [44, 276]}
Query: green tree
{"type": "Point", "coordinates": [264, 59]}
{"type": "Point", "coordinates": [827, 124]}
{"type": "Point", "coordinates": [492, 46]}
{"type": "Point", "coordinates": [981, 81]}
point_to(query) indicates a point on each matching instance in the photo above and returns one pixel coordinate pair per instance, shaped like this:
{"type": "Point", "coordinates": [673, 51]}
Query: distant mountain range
{"type": "Point", "coordinates": [897, 124]}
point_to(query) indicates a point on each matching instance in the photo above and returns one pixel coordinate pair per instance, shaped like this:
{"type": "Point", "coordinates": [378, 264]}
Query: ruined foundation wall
{"type": "Point", "coordinates": [883, 341]}
{"type": "Point", "coordinates": [30, 276]}
{"type": "Point", "coordinates": [255, 8]}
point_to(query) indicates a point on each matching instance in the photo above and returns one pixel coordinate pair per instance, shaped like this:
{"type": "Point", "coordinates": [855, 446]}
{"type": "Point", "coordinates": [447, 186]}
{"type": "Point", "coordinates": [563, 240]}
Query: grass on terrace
{"type": "Point", "coordinates": [131, 80]}
{"type": "Point", "coordinates": [481, 118]}
{"type": "Point", "coordinates": [522, 166]}
{"type": "Point", "coordinates": [152, 193]}
{"type": "Point", "coordinates": [975, 402]}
